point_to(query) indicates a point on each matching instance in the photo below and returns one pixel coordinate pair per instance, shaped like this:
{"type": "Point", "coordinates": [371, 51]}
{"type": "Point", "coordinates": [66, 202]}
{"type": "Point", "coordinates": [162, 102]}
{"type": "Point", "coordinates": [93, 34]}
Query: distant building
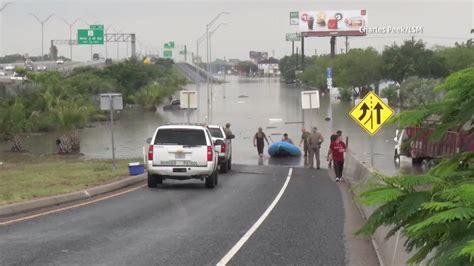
{"type": "Point", "coordinates": [269, 67]}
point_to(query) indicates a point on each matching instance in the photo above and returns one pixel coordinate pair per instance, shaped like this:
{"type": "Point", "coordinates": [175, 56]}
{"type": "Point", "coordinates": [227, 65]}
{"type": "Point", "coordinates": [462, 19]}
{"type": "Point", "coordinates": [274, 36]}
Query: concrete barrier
{"type": "Point", "coordinates": [359, 175]}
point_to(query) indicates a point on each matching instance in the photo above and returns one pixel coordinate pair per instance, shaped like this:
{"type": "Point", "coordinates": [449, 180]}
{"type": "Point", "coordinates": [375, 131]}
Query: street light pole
{"type": "Point", "coordinates": [210, 59]}
{"type": "Point", "coordinates": [70, 33]}
{"type": "Point", "coordinates": [42, 22]}
{"type": "Point", "coordinates": [208, 26]}
{"type": "Point", "coordinates": [198, 42]}
{"type": "Point", "coordinates": [4, 6]}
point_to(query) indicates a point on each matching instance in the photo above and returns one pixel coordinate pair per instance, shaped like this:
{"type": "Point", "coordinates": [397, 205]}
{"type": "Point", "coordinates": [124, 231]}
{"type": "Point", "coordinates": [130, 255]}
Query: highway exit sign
{"type": "Point", "coordinates": [294, 18]}
{"type": "Point", "coordinates": [170, 45]}
{"type": "Point", "coordinates": [371, 113]}
{"type": "Point", "coordinates": [93, 35]}
{"type": "Point", "coordinates": [167, 53]}
{"type": "Point", "coordinates": [293, 37]}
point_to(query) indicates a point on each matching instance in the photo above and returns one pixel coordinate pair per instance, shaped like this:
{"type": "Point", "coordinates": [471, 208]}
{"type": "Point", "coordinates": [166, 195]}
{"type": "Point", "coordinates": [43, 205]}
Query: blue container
{"type": "Point", "coordinates": [136, 168]}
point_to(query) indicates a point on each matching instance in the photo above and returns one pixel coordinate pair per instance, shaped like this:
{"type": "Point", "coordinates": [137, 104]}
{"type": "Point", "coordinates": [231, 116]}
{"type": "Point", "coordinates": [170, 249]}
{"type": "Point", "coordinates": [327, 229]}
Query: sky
{"type": "Point", "coordinates": [258, 25]}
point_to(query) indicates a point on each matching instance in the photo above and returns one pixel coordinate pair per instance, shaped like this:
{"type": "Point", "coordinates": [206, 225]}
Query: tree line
{"type": "Point", "coordinates": [51, 101]}
{"type": "Point", "coordinates": [413, 69]}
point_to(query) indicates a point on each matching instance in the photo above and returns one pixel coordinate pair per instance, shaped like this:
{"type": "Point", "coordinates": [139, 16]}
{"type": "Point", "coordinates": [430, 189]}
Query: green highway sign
{"type": "Point", "coordinates": [293, 37]}
{"type": "Point", "coordinates": [294, 18]}
{"type": "Point", "coordinates": [170, 45]}
{"type": "Point", "coordinates": [167, 53]}
{"type": "Point", "coordinates": [97, 27]}
{"type": "Point", "coordinates": [91, 36]}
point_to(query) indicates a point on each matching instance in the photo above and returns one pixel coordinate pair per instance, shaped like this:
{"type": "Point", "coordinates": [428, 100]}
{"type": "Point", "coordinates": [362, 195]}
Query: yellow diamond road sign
{"type": "Point", "coordinates": [371, 113]}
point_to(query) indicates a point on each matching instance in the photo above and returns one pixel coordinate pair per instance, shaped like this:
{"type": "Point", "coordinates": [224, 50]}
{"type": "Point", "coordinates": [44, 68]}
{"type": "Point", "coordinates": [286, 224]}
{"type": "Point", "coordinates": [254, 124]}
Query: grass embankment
{"type": "Point", "coordinates": [25, 177]}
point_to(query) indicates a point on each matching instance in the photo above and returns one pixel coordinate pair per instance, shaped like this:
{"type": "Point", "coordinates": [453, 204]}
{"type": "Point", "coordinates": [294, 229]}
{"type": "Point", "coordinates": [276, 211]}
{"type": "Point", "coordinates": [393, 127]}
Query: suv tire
{"type": "Point", "coordinates": [229, 164]}
{"type": "Point", "coordinates": [211, 180]}
{"type": "Point", "coordinates": [224, 167]}
{"type": "Point", "coordinates": [154, 180]}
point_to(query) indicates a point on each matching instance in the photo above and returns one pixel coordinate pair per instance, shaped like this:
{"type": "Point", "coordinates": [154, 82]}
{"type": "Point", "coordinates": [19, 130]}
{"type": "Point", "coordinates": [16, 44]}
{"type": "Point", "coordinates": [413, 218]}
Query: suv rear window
{"type": "Point", "coordinates": [216, 132]}
{"type": "Point", "coordinates": [185, 137]}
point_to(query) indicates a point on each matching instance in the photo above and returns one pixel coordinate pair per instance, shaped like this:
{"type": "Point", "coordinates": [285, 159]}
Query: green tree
{"type": "Point", "coordinates": [434, 211]}
{"type": "Point", "coordinates": [288, 65]}
{"type": "Point", "coordinates": [358, 68]}
{"type": "Point", "coordinates": [246, 67]}
{"type": "Point", "coordinates": [151, 96]}
{"type": "Point", "coordinates": [391, 93]}
{"type": "Point", "coordinates": [415, 91]}
{"type": "Point", "coordinates": [456, 58]}
{"type": "Point", "coordinates": [315, 73]}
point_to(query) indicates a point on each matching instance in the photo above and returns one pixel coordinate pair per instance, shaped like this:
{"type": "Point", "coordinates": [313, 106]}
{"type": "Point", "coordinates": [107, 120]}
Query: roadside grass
{"type": "Point", "coordinates": [25, 177]}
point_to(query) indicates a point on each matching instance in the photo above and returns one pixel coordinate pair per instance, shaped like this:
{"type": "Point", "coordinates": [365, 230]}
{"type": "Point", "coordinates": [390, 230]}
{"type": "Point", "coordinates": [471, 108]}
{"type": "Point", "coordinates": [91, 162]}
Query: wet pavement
{"type": "Point", "coordinates": [246, 103]}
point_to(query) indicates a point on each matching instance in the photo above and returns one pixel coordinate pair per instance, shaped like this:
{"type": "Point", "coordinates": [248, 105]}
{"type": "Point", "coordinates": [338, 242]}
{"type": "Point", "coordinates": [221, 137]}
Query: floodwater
{"type": "Point", "coordinates": [246, 103]}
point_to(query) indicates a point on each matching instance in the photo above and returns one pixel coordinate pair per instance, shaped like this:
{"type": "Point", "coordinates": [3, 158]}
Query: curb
{"type": "Point", "coordinates": [390, 251]}
{"type": "Point", "coordinates": [21, 207]}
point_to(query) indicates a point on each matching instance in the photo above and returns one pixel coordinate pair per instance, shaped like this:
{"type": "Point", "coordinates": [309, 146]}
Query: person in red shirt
{"type": "Point", "coordinates": [338, 147]}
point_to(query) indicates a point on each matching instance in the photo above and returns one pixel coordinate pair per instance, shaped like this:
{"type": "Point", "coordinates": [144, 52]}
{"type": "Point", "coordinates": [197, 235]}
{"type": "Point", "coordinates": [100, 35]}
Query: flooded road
{"type": "Point", "coordinates": [246, 103]}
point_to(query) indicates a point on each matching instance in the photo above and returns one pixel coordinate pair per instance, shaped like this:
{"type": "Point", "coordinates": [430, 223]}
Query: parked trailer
{"type": "Point", "coordinates": [414, 142]}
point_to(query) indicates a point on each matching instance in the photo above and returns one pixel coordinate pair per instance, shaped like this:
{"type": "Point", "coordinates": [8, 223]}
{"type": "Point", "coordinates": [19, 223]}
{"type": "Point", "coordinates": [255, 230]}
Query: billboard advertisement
{"type": "Point", "coordinates": [258, 56]}
{"type": "Point", "coordinates": [330, 23]}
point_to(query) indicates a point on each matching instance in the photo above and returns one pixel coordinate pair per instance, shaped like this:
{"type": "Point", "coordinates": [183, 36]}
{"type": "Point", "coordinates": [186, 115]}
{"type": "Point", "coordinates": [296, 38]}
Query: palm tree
{"type": "Point", "coordinates": [13, 122]}
{"type": "Point", "coordinates": [70, 115]}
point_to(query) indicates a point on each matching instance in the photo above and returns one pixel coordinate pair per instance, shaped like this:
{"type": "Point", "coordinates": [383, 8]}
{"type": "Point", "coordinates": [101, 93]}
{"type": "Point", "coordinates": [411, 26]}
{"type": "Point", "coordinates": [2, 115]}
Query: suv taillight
{"type": "Point", "coordinates": [150, 153]}
{"type": "Point", "coordinates": [223, 148]}
{"type": "Point", "coordinates": [209, 153]}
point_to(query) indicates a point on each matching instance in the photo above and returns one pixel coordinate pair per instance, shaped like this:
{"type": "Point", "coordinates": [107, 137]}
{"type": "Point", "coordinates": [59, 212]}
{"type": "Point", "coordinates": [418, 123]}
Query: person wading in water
{"type": "Point", "coordinates": [258, 141]}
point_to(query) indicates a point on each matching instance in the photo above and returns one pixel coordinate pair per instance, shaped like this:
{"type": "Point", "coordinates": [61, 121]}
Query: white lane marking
{"type": "Point", "coordinates": [69, 207]}
{"type": "Point", "coordinates": [254, 227]}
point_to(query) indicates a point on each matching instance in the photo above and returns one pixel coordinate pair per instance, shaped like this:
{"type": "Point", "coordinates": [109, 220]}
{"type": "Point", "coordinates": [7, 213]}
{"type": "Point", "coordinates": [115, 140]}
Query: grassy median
{"type": "Point", "coordinates": [25, 177]}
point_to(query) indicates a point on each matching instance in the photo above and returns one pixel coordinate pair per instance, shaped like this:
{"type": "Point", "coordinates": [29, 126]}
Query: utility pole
{"type": "Point", "coordinates": [347, 44]}
{"type": "Point", "coordinates": [42, 22]}
{"type": "Point", "coordinates": [333, 46]}
{"type": "Point", "coordinates": [302, 52]}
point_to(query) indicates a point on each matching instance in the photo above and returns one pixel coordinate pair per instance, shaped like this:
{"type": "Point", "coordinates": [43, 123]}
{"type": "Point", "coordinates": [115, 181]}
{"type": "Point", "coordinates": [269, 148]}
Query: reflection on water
{"type": "Point", "coordinates": [246, 103]}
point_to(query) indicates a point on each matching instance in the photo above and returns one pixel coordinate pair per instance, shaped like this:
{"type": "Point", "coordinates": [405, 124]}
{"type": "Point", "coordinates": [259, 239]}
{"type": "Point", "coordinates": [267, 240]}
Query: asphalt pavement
{"type": "Point", "coordinates": [182, 223]}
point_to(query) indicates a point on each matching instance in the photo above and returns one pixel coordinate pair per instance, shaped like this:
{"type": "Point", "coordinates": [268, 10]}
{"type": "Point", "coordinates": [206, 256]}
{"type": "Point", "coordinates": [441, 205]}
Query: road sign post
{"type": "Point", "coordinates": [111, 102]}
{"type": "Point", "coordinates": [309, 100]}
{"type": "Point", "coordinates": [188, 100]}
{"type": "Point", "coordinates": [371, 113]}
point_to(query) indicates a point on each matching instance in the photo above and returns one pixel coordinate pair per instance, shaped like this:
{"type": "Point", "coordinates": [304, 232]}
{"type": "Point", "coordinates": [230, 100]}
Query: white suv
{"type": "Point", "coordinates": [181, 152]}
{"type": "Point", "coordinates": [223, 147]}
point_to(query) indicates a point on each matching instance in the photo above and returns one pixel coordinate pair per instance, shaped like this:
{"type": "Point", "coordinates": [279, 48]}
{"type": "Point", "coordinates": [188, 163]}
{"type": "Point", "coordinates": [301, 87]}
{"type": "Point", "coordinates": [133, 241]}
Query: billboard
{"type": "Point", "coordinates": [258, 56]}
{"type": "Point", "coordinates": [331, 23]}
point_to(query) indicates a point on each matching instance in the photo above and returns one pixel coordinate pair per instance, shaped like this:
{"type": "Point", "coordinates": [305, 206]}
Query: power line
{"type": "Point", "coordinates": [406, 37]}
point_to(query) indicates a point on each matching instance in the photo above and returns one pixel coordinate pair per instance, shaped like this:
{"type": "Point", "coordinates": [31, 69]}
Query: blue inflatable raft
{"type": "Point", "coordinates": [282, 148]}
